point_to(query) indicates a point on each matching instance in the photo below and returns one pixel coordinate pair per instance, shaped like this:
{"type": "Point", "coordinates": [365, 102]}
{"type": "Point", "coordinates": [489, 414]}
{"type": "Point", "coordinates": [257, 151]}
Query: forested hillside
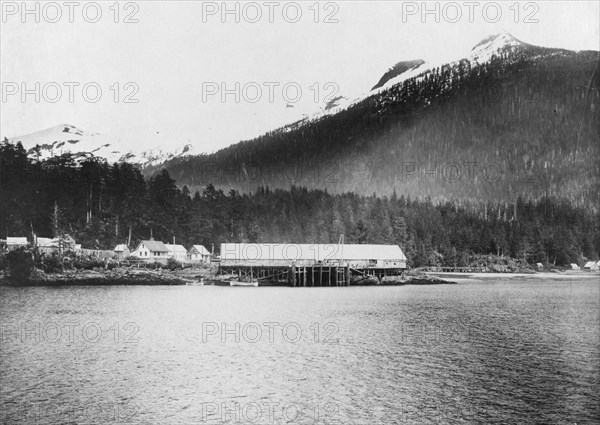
{"type": "Point", "coordinates": [101, 205]}
{"type": "Point", "coordinates": [524, 124]}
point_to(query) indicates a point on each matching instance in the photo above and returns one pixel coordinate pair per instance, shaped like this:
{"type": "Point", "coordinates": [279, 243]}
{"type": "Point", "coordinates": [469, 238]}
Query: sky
{"type": "Point", "coordinates": [162, 68]}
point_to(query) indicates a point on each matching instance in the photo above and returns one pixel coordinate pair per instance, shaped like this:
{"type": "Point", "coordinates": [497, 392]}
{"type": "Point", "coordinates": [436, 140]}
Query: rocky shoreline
{"type": "Point", "coordinates": [145, 277]}
{"type": "Point", "coordinates": [106, 277]}
{"type": "Point", "coordinates": [409, 278]}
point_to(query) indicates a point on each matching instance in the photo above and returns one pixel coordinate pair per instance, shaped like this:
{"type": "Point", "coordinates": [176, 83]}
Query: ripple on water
{"type": "Point", "coordinates": [518, 352]}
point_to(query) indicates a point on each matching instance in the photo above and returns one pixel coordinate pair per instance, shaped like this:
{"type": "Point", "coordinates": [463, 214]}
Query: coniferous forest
{"type": "Point", "coordinates": [525, 124]}
{"type": "Point", "coordinates": [101, 205]}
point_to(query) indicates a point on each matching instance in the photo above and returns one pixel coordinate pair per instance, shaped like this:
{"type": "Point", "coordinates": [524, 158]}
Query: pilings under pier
{"type": "Point", "coordinates": [319, 276]}
{"type": "Point", "coordinates": [304, 276]}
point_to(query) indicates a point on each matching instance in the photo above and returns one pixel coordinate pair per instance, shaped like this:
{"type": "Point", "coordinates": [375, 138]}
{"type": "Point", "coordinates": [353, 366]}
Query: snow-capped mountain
{"type": "Point", "coordinates": [402, 71]}
{"type": "Point", "coordinates": [149, 146]}
{"type": "Point", "coordinates": [419, 68]}
{"type": "Point", "coordinates": [522, 109]}
{"type": "Point", "coordinates": [66, 138]}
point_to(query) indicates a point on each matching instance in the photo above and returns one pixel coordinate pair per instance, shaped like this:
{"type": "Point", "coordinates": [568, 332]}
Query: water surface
{"type": "Point", "coordinates": [494, 352]}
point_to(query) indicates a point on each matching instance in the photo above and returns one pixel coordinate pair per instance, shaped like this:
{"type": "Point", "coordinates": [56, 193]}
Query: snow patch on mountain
{"type": "Point", "coordinates": [398, 69]}
{"type": "Point", "coordinates": [66, 138]}
{"type": "Point", "coordinates": [480, 54]}
{"type": "Point", "coordinates": [488, 47]}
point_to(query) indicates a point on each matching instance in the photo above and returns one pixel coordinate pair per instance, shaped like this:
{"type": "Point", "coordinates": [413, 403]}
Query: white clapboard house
{"type": "Point", "coordinates": [151, 250]}
{"type": "Point", "coordinates": [199, 253]}
{"type": "Point", "coordinates": [177, 252]}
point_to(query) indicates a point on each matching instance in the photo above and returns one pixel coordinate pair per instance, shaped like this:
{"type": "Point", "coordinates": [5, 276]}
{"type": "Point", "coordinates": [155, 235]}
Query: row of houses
{"type": "Point", "coordinates": [150, 250]}
{"type": "Point", "coordinates": [236, 254]}
{"type": "Point", "coordinates": [65, 243]}
{"type": "Point", "coordinates": [590, 265]}
{"type": "Point", "coordinates": [157, 250]}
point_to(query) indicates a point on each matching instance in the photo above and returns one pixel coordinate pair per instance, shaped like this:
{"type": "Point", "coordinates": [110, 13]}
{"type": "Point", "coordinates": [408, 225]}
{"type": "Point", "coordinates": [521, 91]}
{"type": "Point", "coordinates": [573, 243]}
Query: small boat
{"type": "Point", "coordinates": [194, 282]}
{"type": "Point", "coordinates": [240, 283]}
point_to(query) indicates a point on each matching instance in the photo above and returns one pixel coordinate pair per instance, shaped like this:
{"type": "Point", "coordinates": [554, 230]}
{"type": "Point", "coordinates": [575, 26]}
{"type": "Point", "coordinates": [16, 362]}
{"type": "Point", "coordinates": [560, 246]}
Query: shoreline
{"type": "Point", "coordinates": [115, 277]}
{"type": "Point", "coordinates": [186, 277]}
{"type": "Point", "coordinates": [568, 275]}
{"type": "Point", "coordinates": [195, 277]}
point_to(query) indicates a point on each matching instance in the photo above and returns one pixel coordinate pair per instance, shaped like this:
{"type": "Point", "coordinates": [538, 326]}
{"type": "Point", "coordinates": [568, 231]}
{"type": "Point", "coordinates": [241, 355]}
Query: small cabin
{"type": "Point", "coordinates": [199, 253]}
{"type": "Point", "coordinates": [177, 252]}
{"type": "Point", "coordinates": [121, 251]}
{"type": "Point", "coordinates": [15, 242]}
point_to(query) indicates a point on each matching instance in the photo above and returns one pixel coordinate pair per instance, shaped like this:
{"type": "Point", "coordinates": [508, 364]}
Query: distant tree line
{"type": "Point", "coordinates": [102, 205]}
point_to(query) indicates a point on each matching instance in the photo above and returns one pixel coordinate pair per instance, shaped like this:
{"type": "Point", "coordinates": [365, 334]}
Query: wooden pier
{"type": "Point", "coordinates": [303, 265]}
{"type": "Point", "coordinates": [304, 276]}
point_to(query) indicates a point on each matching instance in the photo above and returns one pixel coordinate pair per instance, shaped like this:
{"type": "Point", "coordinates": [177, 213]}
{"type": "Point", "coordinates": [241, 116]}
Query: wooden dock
{"type": "Point", "coordinates": [305, 276]}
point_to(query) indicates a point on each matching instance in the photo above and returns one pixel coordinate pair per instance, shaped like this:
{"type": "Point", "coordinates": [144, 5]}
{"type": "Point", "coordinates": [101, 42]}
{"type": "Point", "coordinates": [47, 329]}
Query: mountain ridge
{"type": "Point", "coordinates": [82, 144]}
{"type": "Point", "coordinates": [505, 105]}
{"type": "Point", "coordinates": [508, 104]}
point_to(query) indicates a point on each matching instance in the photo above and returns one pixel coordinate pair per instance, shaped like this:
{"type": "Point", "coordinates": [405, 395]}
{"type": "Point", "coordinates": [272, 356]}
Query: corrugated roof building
{"type": "Point", "coordinates": [274, 255]}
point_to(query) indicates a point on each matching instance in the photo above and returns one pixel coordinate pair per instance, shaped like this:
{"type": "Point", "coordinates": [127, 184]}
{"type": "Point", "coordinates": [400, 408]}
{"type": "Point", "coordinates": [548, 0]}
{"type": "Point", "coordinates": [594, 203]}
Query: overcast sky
{"type": "Point", "coordinates": [179, 50]}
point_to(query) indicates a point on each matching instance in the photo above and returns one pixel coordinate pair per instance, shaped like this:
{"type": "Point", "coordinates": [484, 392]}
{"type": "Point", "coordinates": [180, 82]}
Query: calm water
{"type": "Point", "coordinates": [488, 353]}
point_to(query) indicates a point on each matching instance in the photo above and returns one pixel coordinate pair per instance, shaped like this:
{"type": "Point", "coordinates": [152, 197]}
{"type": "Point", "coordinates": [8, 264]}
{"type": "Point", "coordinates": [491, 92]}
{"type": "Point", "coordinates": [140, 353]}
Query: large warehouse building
{"type": "Point", "coordinates": [332, 263]}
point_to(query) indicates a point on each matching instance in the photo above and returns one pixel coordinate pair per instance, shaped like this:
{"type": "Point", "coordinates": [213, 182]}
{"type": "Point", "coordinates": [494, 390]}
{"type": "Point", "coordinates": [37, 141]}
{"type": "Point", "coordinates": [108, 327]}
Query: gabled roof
{"type": "Point", "coordinates": [43, 241]}
{"type": "Point", "coordinates": [121, 247]}
{"type": "Point", "coordinates": [176, 249]}
{"type": "Point", "coordinates": [66, 238]}
{"type": "Point", "coordinates": [200, 249]}
{"type": "Point", "coordinates": [155, 246]}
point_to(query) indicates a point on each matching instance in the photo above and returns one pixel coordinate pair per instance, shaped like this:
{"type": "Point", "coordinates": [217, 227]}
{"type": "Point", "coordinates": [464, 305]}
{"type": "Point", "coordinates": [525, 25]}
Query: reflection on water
{"type": "Point", "coordinates": [498, 352]}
